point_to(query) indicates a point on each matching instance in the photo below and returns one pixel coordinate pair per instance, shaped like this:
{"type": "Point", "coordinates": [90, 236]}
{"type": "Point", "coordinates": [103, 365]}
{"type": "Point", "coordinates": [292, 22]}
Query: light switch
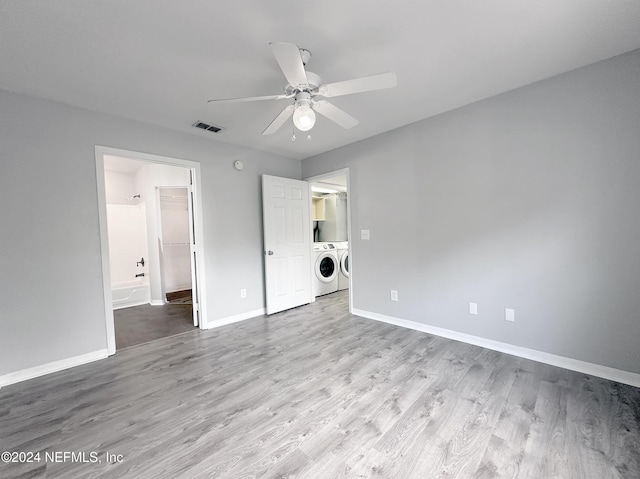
{"type": "Point", "coordinates": [473, 308]}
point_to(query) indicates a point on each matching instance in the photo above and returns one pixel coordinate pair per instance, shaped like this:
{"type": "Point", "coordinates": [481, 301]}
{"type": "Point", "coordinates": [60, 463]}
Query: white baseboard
{"type": "Point", "coordinates": [626, 377]}
{"type": "Point", "coordinates": [234, 319]}
{"type": "Point", "coordinates": [157, 302]}
{"type": "Point", "coordinates": [55, 366]}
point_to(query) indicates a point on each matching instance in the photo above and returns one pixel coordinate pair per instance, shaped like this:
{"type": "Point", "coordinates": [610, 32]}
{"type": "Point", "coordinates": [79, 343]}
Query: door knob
{"type": "Point", "coordinates": [269, 252]}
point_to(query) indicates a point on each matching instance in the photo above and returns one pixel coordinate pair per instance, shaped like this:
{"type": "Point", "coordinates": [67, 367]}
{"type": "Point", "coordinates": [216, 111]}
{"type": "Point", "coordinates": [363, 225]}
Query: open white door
{"type": "Point", "coordinates": [287, 243]}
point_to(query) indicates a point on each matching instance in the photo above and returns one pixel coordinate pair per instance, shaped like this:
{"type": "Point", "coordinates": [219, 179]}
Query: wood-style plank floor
{"type": "Point", "coordinates": [317, 393]}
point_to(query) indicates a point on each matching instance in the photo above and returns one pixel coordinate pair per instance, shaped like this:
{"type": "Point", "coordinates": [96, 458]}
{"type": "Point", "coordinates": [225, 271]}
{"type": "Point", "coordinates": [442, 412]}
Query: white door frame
{"type": "Point", "coordinates": [340, 172]}
{"type": "Point", "coordinates": [194, 167]}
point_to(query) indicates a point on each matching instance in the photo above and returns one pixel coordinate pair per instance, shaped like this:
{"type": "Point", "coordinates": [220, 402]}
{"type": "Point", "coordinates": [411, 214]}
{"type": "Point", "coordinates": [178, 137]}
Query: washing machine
{"type": "Point", "coordinates": [343, 262]}
{"type": "Point", "coordinates": [325, 268]}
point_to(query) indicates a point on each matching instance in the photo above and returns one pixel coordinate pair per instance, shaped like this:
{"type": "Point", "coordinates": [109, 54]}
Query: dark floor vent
{"type": "Point", "coordinates": [204, 126]}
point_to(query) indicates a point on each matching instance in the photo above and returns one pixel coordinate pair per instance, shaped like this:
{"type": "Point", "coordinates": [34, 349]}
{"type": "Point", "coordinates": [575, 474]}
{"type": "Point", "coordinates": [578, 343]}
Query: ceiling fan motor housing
{"type": "Point", "coordinates": [303, 98]}
{"type": "Point", "coordinates": [314, 81]}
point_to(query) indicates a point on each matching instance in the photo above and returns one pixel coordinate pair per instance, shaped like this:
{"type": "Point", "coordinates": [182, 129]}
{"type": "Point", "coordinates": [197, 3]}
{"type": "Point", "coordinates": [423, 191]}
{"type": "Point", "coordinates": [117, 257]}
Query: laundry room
{"type": "Point", "coordinates": [329, 216]}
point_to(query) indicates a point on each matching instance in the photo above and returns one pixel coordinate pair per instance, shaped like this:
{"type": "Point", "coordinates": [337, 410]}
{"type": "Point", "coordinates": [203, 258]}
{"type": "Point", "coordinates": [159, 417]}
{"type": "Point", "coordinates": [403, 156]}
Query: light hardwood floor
{"type": "Point", "coordinates": [316, 393]}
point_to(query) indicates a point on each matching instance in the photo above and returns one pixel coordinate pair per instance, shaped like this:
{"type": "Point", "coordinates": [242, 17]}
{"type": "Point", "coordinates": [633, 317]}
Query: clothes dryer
{"type": "Point", "coordinates": [325, 268]}
{"type": "Point", "coordinates": [343, 261]}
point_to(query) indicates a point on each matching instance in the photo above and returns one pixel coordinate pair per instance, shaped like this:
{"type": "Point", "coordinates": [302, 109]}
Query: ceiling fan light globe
{"type": "Point", "coordinates": [304, 118]}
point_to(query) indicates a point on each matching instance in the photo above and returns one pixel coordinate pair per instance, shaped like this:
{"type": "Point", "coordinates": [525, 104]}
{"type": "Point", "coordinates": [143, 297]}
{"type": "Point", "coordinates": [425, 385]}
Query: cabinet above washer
{"type": "Point", "coordinates": [317, 208]}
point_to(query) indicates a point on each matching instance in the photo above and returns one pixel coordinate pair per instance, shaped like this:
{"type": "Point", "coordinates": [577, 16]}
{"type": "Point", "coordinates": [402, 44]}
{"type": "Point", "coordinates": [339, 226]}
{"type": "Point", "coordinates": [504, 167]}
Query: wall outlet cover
{"type": "Point", "coordinates": [509, 314]}
{"type": "Point", "coordinates": [473, 308]}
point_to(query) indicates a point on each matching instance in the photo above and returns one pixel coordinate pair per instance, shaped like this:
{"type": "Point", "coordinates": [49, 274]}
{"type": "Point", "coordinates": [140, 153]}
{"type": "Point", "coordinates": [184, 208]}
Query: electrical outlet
{"type": "Point", "coordinates": [394, 295]}
{"type": "Point", "coordinates": [473, 308]}
{"type": "Point", "coordinates": [510, 314]}
{"type": "Point", "coordinates": [365, 234]}
{"type": "Point", "coordinates": [243, 293]}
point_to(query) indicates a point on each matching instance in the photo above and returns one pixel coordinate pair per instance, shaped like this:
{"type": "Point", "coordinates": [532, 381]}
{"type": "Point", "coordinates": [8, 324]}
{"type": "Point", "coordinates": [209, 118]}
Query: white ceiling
{"type": "Point", "coordinates": [160, 61]}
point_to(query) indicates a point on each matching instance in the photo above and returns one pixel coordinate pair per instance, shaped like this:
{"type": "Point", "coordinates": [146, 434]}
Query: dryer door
{"type": "Point", "coordinates": [326, 267]}
{"type": "Point", "coordinates": [344, 264]}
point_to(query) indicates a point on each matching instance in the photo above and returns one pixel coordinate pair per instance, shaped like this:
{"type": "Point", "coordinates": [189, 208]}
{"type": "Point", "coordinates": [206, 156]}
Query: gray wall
{"type": "Point", "coordinates": [51, 301]}
{"type": "Point", "coordinates": [529, 200]}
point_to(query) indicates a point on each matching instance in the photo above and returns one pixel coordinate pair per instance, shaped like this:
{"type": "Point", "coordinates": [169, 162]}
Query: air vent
{"type": "Point", "coordinates": [204, 126]}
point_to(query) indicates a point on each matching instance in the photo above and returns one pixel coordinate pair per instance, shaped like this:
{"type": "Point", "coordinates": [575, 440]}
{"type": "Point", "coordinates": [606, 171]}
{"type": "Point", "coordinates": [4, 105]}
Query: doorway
{"type": "Point", "coordinates": [290, 213]}
{"type": "Point", "coordinates": [174, 245]}
{"type": "Point", "coordinates": [140, 261]}
{"type": "Point", "coordinates": [331, 226]}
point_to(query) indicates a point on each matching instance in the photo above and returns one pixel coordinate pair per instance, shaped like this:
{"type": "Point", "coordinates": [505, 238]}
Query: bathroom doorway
{"type": "Point", "coordinates": [150, 224]}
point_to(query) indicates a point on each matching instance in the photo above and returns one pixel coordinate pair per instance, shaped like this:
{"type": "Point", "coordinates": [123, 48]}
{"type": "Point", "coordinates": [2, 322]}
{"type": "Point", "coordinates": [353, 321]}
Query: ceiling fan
{"type": "Point", "coordinates": [305, 86]}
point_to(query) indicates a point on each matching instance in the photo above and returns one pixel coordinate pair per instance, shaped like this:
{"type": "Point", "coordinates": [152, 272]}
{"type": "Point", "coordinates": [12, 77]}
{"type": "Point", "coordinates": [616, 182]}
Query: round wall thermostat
{"type": "Point", "coordinates": [238, 165]}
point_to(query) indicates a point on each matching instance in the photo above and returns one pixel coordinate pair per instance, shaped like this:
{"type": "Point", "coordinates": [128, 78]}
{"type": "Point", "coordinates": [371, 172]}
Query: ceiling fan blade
{"type": "Point", "coordinates": [335, 114]}
{"type": "Point", "coordinates": [358, 85]}
{"type": "Point", "coordinates": [250, 98]}
{"type": "Point", "coordinates": [288, 57]}
{"type": "Point", "coordinates": [279, 120]}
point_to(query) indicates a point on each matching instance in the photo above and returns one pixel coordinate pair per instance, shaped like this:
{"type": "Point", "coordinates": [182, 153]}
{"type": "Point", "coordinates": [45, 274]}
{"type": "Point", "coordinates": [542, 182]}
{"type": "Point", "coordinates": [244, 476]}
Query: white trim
{"type": "Point", "coordinates": [235, 318]}
{"type": "Point", "coordinates": [156, 302]}
{"type": "Point", "coordinates": [104, 250]}
{"type": "Point", "coordinates": [100, 152]}
{"type": "Point", "coordinates": [55, 366]}
{"type": "Point", "coordinates": [626, 377]}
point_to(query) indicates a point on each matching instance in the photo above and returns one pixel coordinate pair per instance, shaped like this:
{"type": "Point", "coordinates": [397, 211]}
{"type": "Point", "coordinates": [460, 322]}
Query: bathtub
{"type": "Point", "coordinates": [130, 293]}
